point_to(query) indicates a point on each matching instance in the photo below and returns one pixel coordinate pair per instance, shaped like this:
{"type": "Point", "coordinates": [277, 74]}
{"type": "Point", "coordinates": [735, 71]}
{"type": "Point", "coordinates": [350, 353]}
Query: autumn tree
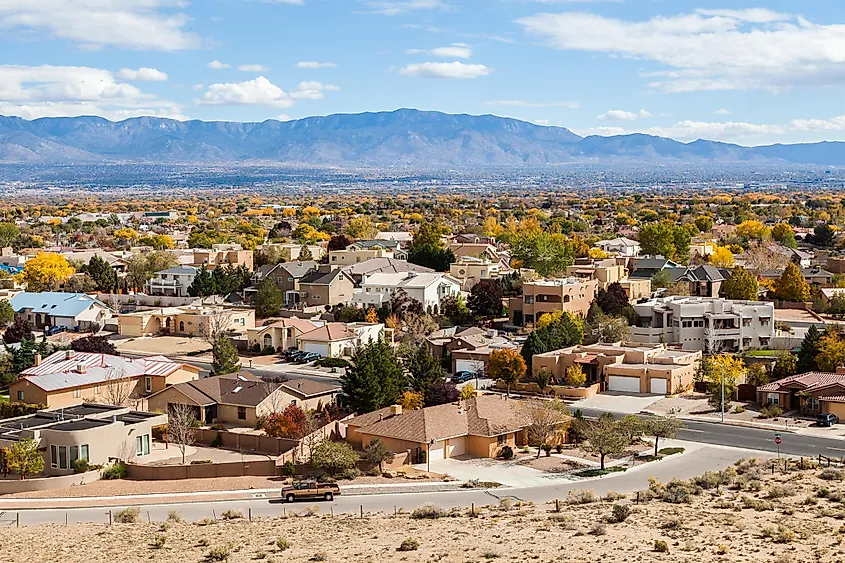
{"type": "Point", "coordinates": [729, 368]}
{"type": "Point", "coordinates": [375, 379]}
{"type": "Point", "coordinates": [412, 401]}
{"type": "Point", "coordinates": [485, 300]}
{"type": "Point", "coordinates": [507, 366]}
{"type": "Point", "coordinates": [741, 284]}
{"type": "Point", "coordinates": [361, 227]}
{"type": "Point", "coordinates": [704, 223]}
{"type": "Point", "coordinates": [575, 376]}
{"type": "Point", "coordinates": [831, 350]}
{"type": "Point", "coordinates": [24, 458]}
{"type": "Point", "coordinates": [784, 234]}
{"type": "Point", "coordinates": [753, 230]}
{"type": "Point", "coordinates": [290, 423]}
{"type": "Point", "coordinates": [791, 285]}
{"type": "Point", "coordinates": [46, 272]}
{"type": "Point", "coordinates": [604, 437]}
{"type": "Point", "coordinates": [722, 257]}
{"type": "Point", "coordinates": [544, 419]}
{"type": "Point", "coordinates": [339, 242]}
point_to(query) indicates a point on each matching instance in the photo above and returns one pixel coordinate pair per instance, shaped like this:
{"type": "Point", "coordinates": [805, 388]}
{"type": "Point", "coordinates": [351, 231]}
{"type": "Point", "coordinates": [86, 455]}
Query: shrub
{"type": "Point", "coordinates": [282, 544]}
{"type": "Point", "coordinates": [217, 441]}
{"type": "Point", "coordinates": [620, 513]}
{"type": "Point", "coordinates": [288, 469]}
{"type": "Point", "coordinates": [581, 496]}
{"type": "Point", "coordinates": [780, 491]}
{"type": "Point", "coordinates": [219, 553]}
{"type": "Point", "coordinates": [428, 512]}
{"type": "Point", "coordinates": [784, 535]}
{"type": "Point", "coordinates": [506, 452]}
{"type": "Point", "coordinates": [612, 496]}
{"type": "Point", "coordinates": [174, 516]}
{"type": "Point", "coordinates": [490, 555]}
{"type": "Point", "coordinates": [739, 409]}
{"type": "Point", "coordinates": [350, 474]}
{"type": "Point", "coordinates": [678, 491]}
{"type": "Point", "coordinates": [232, 514]}
{"type": "Point", "coordinates": [770, 411]}
{"type": "Point", "coordinates": [600, 472]}
{"type": "Point", "coordinates": [671, 451]}
{"type": "Point", "coordinates": [548, 449]}
{"type": "Point", "coordinates": [158, 541]}
{"type": "Point", "coordinates": [201, 462]}
{"type": "Point", "coordinates": [319, 556]}
{"type": "Point", "coordinates": [116, 471]}
{"type": "Point", "coordinates": [598, 529]}
{"type": "Point", "coordinates": [409, 544]}
{"type": "Point", "coordinates": [758, 505]}
{"type": "Point", "coordinates": [661, 546]}
{"type": "Point", "coordinates": [332, 363]}
{"type": "Point", "coordinates": [127, 515]}
{"type": "Point", "coordinates": [722, 550]}
{"type": "Point", "coordinates": [831, 474]}
{"type": "Point", "coordinates": [80, 465]}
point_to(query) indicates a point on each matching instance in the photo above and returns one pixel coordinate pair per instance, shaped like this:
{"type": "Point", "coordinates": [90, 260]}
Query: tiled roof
{"type": "Point", "coordinates": [241, 389]}
{"type": "Point", "coordinates": [309, 388]}
{"type": "Point", "coordinates": [808, 381]}
{"type": "Point", "coordinates": [383, 265]}
{"type": "Point", "coordinates": [329, 332]}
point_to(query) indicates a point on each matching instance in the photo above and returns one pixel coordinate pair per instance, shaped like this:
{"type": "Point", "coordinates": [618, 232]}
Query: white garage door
{"type": "Point", "coordinates": [658, 386]}
{"type": "Point", "coordinates": [623, 383]}
{"type": "Point", "coordinates": [317, 347]}
{"type": "Point", "coordinates": [437, 451]}
{"type": "Point", "coordinates": [472, 366]}
{"type": "Point", "coordinates": [456, 447]}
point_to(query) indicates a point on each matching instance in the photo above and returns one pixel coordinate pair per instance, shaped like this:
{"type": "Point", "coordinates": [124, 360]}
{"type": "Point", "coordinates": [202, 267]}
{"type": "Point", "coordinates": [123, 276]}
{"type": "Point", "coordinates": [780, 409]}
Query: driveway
{"type": "Point", "coordinates": [614, 401]}
{"type": "Point", "coordinates": [507, 473]}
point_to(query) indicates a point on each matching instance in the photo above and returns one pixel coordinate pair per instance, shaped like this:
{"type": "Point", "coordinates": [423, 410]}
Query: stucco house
{"type": "Point", "coordinates": [811, 393]}
{"type": "Point", "coordinates": [190, 320]}
{"type": "Point", "coordinates": [325, 285]}
{"type": "Point", "coordinates": [333, 340]}
{"type": "Point", "coordinates": [572, 295]}
{"type": "Point", "coordinates": [429, 289]}
{"type": "Point", "coordinates": [172, 282]}
{"type": "Point", "coordinates": [52, 308]}
{"type": "Point", "coordinates": [281, 334]}
{"type": "Point", "coordinates": [621, 246]}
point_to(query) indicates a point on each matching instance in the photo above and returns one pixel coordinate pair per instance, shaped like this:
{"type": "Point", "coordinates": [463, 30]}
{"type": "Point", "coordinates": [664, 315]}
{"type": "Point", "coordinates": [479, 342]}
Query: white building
{"type": "Point", "coordinates": [705, 323]}
{"type": "Point", "coordinates": [621, 246]}
{"type": "Point", "coordinates": [428, 289]}
{"type": "Point", "coordinates": [333, 340]}
{"type": "Point", "coordinates": [172, 282]}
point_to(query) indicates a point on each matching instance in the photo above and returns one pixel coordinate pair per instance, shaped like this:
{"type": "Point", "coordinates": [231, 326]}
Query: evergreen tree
{"type": "Point", "coordinates": [269, 299]}
{"type": "Point", "coordinates": [225, 357]}
{"type": "Point", "coordinates": [203, 284]}
{"type": "Point", "coordinates": [375, 379]}
{"type": "Point", "coordinates": [103, 274]}
{"type": "Point", "coordinates": [809, 350]}
{"type": "Point", "coordinates": [305, 254]}
{"type": "Point", "coordinates": [566, 331]}
{"type": "Point", "coordinates": [23, 356]}
{"type": "Point", "coordinates": [425, 370]}
{"type": "Point", "coordinates": [613, 301]}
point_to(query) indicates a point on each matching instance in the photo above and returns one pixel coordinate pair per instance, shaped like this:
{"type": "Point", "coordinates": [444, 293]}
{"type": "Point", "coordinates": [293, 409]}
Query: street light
{"type": "Point", "coordinates": [723, 391]}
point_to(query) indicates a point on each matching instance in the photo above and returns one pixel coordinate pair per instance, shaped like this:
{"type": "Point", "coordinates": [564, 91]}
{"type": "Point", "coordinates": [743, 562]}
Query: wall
{"type": "Point", "coordinates": [11, 486]}
{"type": "Point", "coordinates": [254, 443]}
{"type": "Point", "coordinates": [556, 390]}
{"type": "Point", "coordinates": [201, 471]}
{"type": "Point", "coordinates": [126, 301]}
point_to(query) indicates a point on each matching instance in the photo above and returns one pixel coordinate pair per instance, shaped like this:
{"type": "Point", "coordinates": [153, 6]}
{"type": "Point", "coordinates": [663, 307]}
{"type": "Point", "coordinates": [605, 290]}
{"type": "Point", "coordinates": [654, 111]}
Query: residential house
{"type": "Point", "coordinates": [467, 349]}
{"type": "Point", "coordinates": [293, 252]}
{"type": "Point", "coordinates": [605, 272]}
{"type": "Point", "coordinates": [394, 247]}
{"type": "Point", "coordinates": [572, 295]}
{"type": "Point", "coordinates": [287, 277]}
{"type": "Point", "coordinates": [188, 320]}
{"type": "Point", "coordinates": [98, 434]}
{"type": "Point", "coordinates": [354, 256]}
{"type": "Point", "coordinates": [814, 275]}
{"type": "Point", "coordinates": [480, 427]}
{"type": "Point", "coordinates": [241, 398]}
{"type": "Point", "coordinates": [647, 266]}
{"type": "Point", "coordinates": [429, 289]}
{"type": "Point", "coordinates": [620, 246]}
{"type": "Point", "coordinates": [471, 238]}
{"type": "Point", "coordinates": [85, 256]}
{"type": "Point", "coordinates": [800, 257]}
{"type": "Point", "coordinates": [470, 270]}
{"type": "Point", "coordinates": [325, 286]}
{"type": "Point", "coordinates": [650, 368]}
{"type": "Point", "coordinates": [402, 237]}
{"type": "Point", "coordinates": [382, 266]}
{"type": "Point", "coordinates": [333, 340]}
{"type": "Point", "coordinates": [172, 282]}
{"type": "Point", "coordinates": [705, 323]}
{"type": "Point", "coordinates": [222, 255]}
{"type": "Point", "coordinates": [279, 335]}
{"type": "Point", "coordinates": [67, 378]}
{"type": "Point", "coordinates": [810, 393]}
{"type": "Point", "coordinates": [474, 250]}
{"type": "Point", "coordinates": [705, 281]}
{"type": "Point", "coordinates": [835, 264]}
{"type": "Point", "coordinates": [51, 308]}
{"type": "Point", "coordinates": [702, 250]}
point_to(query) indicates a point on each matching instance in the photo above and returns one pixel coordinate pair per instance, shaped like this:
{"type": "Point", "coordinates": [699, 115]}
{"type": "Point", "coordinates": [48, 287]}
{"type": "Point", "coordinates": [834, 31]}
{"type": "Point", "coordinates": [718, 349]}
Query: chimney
{"type": "Point", "coordinates": [80, 368]}
{"type": "Point", "coordinates": [840, 370]}
{"type": "Point", "coordinates": [68, 354]}
{"type": "Point", "coordinates": [37, 360]}
{"type": "Point", "coordinates": [395, 410]}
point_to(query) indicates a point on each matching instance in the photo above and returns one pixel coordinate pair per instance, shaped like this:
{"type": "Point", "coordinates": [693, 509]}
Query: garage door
{"type": "Point", "coordinates": [658, 386]}
{"type": "Point", "coordinates": [456, 447]}
{"type": "Point", "coordinates": [472, 366]}
{"type": "Point", "coordinates": [437, 451]}
{"type": "Point", "coordinates": [623, 383]}
{"type": "Point", "coordinates": [316, 347]}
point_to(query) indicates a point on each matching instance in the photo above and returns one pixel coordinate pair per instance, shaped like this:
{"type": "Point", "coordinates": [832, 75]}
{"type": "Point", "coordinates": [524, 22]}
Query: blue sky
{"type": "Point", "coordinates": [746, 72]}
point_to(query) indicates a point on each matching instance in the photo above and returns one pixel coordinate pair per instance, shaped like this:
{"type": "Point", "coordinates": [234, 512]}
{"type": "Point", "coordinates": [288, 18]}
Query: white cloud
{"type": "Point", "coordinates": [722, 112]}
{"type": "Point", "coordinates": [197, 86]}
{"type": "Point", "coordinates": [49, 91]}
{"type": "Point", "coordinates": [395, 8]}
{"type": "Point", "coordinates": [143, 74]}
{"type": "Point", "coordinates": [622, 115]}
{"type": "Point", "coordinates": [526, 104]}
{"type": "Point", "coordinates": [253, 68]}
{"type": "Point", "coordinates": [262, 92]}
{"type": "Point", "coordinates": [314, 64]}
{"type": "Point", "coordinates": [451, 70]}
{"type": "Point", "coordinates": [708, 49]}
{"type": "Point", "coordinates": [454, 51]}
{"type": "Point", "coordinates": [130, 24]}
{"type": "Point", "coordinates": [217, 65]}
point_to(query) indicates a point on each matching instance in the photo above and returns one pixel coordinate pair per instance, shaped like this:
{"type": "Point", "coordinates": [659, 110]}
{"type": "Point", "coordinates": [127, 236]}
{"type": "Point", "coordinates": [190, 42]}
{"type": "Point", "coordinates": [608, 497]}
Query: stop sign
{"type": "Point", "coordinates": [778, 440]}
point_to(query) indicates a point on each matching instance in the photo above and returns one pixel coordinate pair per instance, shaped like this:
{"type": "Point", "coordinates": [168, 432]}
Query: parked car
{"type": "Point", "coordinates": [308, 358]}
{"type": "Point", "coordinates": [462, 376]}
{"type": "Point", "coordinates": [293, 355]}
{"type": "Point", "coordinates": [310, 490]}
{"type": "Point", "coordinates": [827, 419]}
{"type": "Point", "coordinates": [55, 330]}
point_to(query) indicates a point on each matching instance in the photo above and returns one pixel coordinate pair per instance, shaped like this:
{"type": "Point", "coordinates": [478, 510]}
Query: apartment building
{"type": "Point", "coordinates": [705, 323]}
{"type": "Point", "coordinates": [470, 270]}
{"type": "Point", "coordinates": [572, 295]}
{"type": "Point", "coordinates": [428, 289]}
{"type": "Point", "coordinates": [222, 255]}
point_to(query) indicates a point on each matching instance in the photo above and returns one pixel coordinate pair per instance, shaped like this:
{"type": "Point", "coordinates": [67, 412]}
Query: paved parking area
{"type": "Point", "coordinates": [507, 473]}
{"type": "Point", "coordinates": [617, 402]}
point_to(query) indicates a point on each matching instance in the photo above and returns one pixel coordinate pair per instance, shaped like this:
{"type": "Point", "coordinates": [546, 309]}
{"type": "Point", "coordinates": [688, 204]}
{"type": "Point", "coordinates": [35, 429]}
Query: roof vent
{"type": "Point", "coordinates": [68, 354]}
{"type": "Point", "coordinates": [81, 368]}
{"type": "Point", "coordinates": [395, 410]}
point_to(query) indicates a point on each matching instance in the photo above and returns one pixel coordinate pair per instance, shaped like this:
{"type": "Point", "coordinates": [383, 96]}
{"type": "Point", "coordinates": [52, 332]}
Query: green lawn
{"type": "Point", "coordinates": [762, 353]}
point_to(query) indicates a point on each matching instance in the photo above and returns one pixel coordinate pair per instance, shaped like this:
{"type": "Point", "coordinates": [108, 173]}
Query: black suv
{"type": "Point", "coordinates": [827, 419]}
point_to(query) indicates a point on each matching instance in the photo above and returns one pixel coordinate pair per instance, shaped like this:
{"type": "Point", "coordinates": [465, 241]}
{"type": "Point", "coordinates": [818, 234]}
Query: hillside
{"type": "Point", "coordinates": [402, 137]}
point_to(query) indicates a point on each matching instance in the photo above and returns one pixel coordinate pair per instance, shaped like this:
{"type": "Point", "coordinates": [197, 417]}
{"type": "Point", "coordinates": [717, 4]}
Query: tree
{"type": "Point", "coordinates": [305, 254]}
{"type": "Point", "coordinates": [19, 330]}
{"type": "Point", "coordinates": [290, 423]}
{"type": "Point", "coordinates": [361, 228]}
{"type": "Point", "coordinates": [752, 230]}
{"type": "Point", "coordinates": [437, 258]}
{"type": "Point", "coordinates": [485, 300]}
{"type": "Point", "coordinates": [784, 234]}
{"type": "Point", "coordinates": [141, 267]}
{"type": "Point", "coordinates": [203, 284]}
{"type": "Point", "coordinates": [786, 364]}
{"type": "Point", "coordinates": [666, 239]}
{"type": "Point", "coordinates": [565, 332]}
{"type": "Point", "coordinates": [823, 235]}
{"type": "Point", "coordinates": [7, 313]}
{"type": "Point", "coordinates": [375, 379]}
{"type": "Point", "coordinates": [9, 233]}
{"type": "Point", "coordinates": [333, 457]}
{"type": "Point", "coordinates": [46, 272]}
{"type": "Point", "coordinates": [741, 284]}
{"type": "Point", "coordinates": [791, 285]}
{"type": "Point", "coordinates": [760, 258]}
{"type": "Point", "coordinates": [24, 458]}
{"type": "Point", "coordinates": [661, 427]}
{"type": "Point", "coordinates": [455, 309]}
{"type": "Point", "coordinates": [808, 351]}
{"type": "Point", "coordinates": [543, 378]}
{"type": "Point", "coordinates": [547, 253]}
{"type": "Point", "coordinates": [467, 391]}
{"type": "Point", "coordinates": [613, 301]}
{"type": "Point", "coordinates": [104, 276]}
{"type": "Point", "coordinates": [575, 376]}
{"type": "Point", "coordinates": [604, 328]}
{"type": "Point", "coordinates": [412, 401]}
{"type": "Point", "coordinates": [722, 257]}
{"type": "Point", "coordinates": [339, 242]}
{"type": "Point", "coordinates": [831, 350]}
{"type": "Point", "coordinates": [424, 369]}
{"type": "Point", "coordinates": [180, 426]}
{"type": "Point", "coordinates": [544, 419]}
{"type": "Point", "coordinates": [416, 328]}
{"type": "Point", "coordinates": [732, 369]}
{"type": "Point", "coordinates": [441, 393]}
{"type": "Point", "coordinates": [94, 345]}
{"type": "Point", "coordinates": [268, 299]}
{"type": "Point", "coordinates": [117, 388]}
{"type": "Point", "coordinates": [371, 316]}
{"type": "Point", "coordinates": [704, 223]}
{"type": "Point", "coordinates": [403, 304]}
{"type": "Point", "coordinates": [225, 357]}
{"type": "Point", "coordinates": [507, 366]}
{"type": "Point", "coordinates": [377, 453]}
{"type": "Point", "coordinates": [661, 279]}
{"type": "Point", "coordinates": [158, 242]}
{"type": "Point", "coordinates": [604, 437]}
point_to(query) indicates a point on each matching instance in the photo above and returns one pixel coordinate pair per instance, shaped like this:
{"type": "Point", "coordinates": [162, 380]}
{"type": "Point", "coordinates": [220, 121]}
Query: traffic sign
{"type": "Point", "coordinates": [778, 441]}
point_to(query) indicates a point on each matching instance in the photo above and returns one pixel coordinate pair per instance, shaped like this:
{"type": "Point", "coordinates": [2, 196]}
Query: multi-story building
{"type": "Point", "coordinates": [428, 289]}
{"type": "Point", "coordinates": [705, 323]}
{"type": "Point", "coordinates": [172, 282]}
{"type": "Point", "coordinates": [572, 295]}
{"type": "Point", "coordinates": [354, 256]}
{"type": "Point", "coordinates": [621, 246]}
{"type": "Point", "coordinates": [223, 255]}
{"type": "Point", "coordinates": [470, 270]}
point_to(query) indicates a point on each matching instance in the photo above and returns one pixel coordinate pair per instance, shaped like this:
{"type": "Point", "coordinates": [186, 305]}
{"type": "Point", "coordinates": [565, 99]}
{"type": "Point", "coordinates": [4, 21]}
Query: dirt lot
{"type": "Point", "coordinates": [166, 345]}
{"type": "Point", "coordinates": [695, 404]}
{"type": "Point", "coordinates": [753, 516]}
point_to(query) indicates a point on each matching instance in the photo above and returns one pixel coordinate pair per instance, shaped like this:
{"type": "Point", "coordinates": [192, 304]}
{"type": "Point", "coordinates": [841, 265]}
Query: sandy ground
{"type": "Point", "coordinates": [786, 518]}
{"type": "Point", "coordinates": [166, 345]}
{"type": "Point", "coordinates": [695, 404]}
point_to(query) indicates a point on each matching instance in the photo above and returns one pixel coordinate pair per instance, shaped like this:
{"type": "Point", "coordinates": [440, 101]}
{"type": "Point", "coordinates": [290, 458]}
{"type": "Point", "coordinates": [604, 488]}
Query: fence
{"type": "Point", "coordinates": [256, 443]}
{"type": "Point", "coordinates": [14, 485]}
{"type": "Point", "coordinates": [266, 468]}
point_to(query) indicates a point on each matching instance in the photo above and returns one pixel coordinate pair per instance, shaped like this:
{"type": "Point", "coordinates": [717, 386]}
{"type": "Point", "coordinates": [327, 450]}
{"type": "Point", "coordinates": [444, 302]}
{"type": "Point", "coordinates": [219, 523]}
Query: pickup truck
{"type": "Point", "coordinates": [310, 490]}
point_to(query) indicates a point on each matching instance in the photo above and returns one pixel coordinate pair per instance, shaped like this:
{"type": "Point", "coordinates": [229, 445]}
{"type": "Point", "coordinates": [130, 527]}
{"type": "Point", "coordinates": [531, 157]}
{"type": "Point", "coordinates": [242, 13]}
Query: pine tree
{"type": "Point", "coordinates": [425, 370]}
{"type": "Point", "coordinates": [269, 299]}
{"type": "Point", "coordinates": [203, 284]}
{"type": "Point", "coordinates": [809, 350]}
{"type": "Point", "coordinates": [103, 274]}
{"type": "Point", "coordinates": [225, 357]}
{"type": "Point", "coordinates": [305, 254]}
{"type": "Point", "coordinates": [376, 378]}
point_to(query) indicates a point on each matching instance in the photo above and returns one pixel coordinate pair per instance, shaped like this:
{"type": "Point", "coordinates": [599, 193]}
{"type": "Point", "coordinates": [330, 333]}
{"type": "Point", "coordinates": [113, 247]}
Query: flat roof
{"type": "Point", "coordinates": [87, 409]}
{"type": "Point", "coordinates": [74, 425]}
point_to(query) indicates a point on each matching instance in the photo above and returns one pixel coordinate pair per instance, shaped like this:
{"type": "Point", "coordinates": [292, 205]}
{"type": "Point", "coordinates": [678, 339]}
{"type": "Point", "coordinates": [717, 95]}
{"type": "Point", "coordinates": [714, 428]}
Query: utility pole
{"type": "Point", "coordinates": [723, 391]}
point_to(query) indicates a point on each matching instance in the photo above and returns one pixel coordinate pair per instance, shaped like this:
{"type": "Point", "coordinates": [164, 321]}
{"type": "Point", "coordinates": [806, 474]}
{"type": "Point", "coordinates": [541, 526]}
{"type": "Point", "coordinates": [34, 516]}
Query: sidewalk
{"type": "Point", "coordinates": [834, 433]}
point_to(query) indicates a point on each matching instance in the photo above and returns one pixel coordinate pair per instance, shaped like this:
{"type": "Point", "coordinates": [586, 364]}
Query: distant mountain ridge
{"type": "Point", "coordinates": [401, 137]}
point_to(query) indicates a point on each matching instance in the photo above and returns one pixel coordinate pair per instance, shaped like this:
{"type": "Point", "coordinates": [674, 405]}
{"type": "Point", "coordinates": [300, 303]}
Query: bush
{"type": "Point", "coordinates": [174, 516]}
{"type": "Point", "coordinates": [219, 553]}
{"type": "Point", "coordinates": [116, 471]}
{"type": "Point", "coordinates": [288, 469]}
{"type": "Point", "coordinates": [158, 541]}
{"type": "Point", "coordinates": [679, 492]}
{"type": "Point", "coordinates": [231, 514]}
{"type": "Point", "coordinates": [831, 474]}
{"type": "Point", "coordinates": [332, 363]}
{"type": "Point", "coordinates": [600, 472]}
{"type": "Point", "coordinates": [620, 513]}
{"type": "Point", "coordinates": [80, 465]}
{"type": "Point", "coordinates": [409, 544]}
{"type": "Point", "coordinates": [770, 411]}
{"type": "Point", "coordinates": [598, 529]}
{"type": "Point", "coordinates": [739, 409]}
{"type": "Point", "coordinates": [506, 452]}
{"type": "Point", "coordinates": [428, 512]}
{"type": "Point", "coordinates": [548, 449]}
{"type": "Point", "coordinates": [350, 474]}
{"type": "Point", "coordinates": [661, 546]}
{"type": "Point", "coordinates": [671, 451]}
{"type": "Point", "coordinates": [784, 535]}
{"type": "Point", "coordinates": [282, 544]}
{"type": "Point", "coordinates": [201, 462]}
{"type": "Point", "coordinates": [559, 448]}
{"type": "Point", "coordinates": [217, 441]}
{"type": "Point", "coordinates": [722, 550]}
{"type": "Point", "coordinates": [581, 496]}
{"type": "Point", "coordinates": [780, 491]}
{"type": "Point", "coordinates": [127, 515]}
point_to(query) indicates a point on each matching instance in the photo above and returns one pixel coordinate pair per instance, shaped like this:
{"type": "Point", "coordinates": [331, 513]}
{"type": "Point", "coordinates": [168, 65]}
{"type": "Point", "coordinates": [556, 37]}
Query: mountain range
{"type": "Point", "coordinates": [403, 137]}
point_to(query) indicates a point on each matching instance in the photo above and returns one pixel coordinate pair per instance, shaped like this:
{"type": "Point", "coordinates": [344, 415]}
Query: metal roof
{"type": "Point", "coordinates": [54, 303]}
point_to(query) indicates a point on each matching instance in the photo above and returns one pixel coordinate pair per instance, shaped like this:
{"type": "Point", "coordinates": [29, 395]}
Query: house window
{"type": "Point", "coordinates": [83, 452]}
{"type": "Point", "coordinates": [764, 321]}
{"type": "Point", "coordinates": [142, 445]}
{"type": "Point", "coordinates": [181, 326]}
{"type": "Point", "coordinates": [148, 384]}
{"type": "Point", "coordinates": [74, 455]}
{"type": "Point", "coordinates": [528, 299]}
{"type": "Point", "coordinates": [746, 322]}
{"type": "Point", "coordinates": [63, 457]}
{"type": "Point", "coordinates": [20, 395]}
{"type": "Point", "coordinates": [54, 457]}
{"type": "Point", "coordinates": [773, 399]}
{"type": "Point", "coordinates": [241, 413]}
{"type": "Point", "coordinates": [501, 439]}
{"type": "Point", "coordinates": [76, 393]}
{"type": "Point", "coordinates": [813, 403]}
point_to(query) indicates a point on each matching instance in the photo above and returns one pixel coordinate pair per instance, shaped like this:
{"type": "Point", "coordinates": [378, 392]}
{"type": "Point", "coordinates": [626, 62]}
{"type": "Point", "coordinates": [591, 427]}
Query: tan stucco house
{"type": "Point", "coordinates": [190, 320]}
{"type": "Point", "coordinates": [280, 335]}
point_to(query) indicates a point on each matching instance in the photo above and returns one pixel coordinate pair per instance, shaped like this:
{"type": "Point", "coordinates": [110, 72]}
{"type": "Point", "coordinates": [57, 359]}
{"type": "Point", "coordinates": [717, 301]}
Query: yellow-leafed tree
{"type": "Point", "coordinates": [46, 272]}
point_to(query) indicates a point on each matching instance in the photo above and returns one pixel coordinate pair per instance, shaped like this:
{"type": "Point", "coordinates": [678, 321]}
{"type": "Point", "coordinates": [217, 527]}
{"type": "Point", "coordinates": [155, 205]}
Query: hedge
{"type": "Point", "coordinates": [14, 408]}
